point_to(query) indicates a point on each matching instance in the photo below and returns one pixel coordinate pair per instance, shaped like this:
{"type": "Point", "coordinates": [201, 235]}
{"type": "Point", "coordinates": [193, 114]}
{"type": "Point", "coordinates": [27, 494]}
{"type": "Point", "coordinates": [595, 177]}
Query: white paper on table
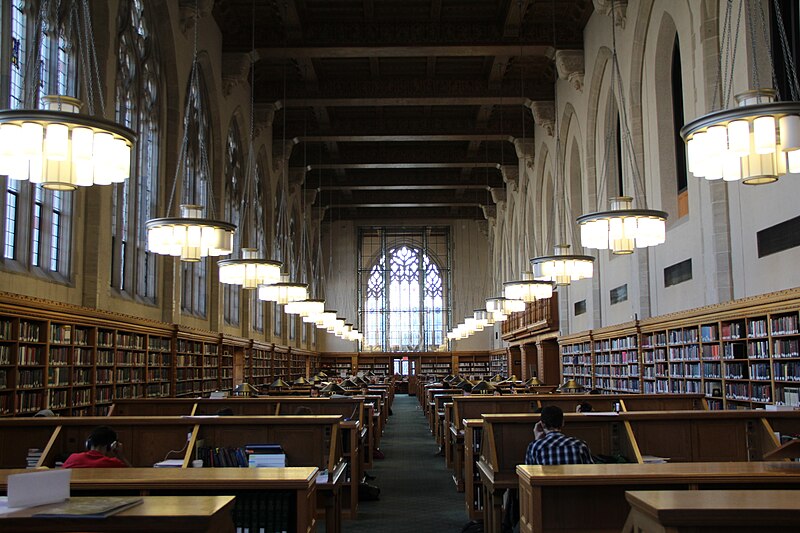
{"type": "Point", "coordinates": [38, 488]}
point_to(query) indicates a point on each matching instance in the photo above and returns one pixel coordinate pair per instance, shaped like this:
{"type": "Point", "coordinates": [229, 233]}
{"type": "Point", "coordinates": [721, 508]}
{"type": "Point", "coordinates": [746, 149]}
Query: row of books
{"type": "Point", "coordinates": [252, 455]}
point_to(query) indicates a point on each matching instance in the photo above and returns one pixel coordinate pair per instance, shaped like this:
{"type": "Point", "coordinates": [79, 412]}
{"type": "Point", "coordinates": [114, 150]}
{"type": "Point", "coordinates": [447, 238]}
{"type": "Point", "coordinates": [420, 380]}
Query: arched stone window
{"type": "Point", "coordinates": [194, 293]}
{"type": "Point", "coordinates": [234, 184]}
{"type": "Point", "coordinates": [36, 222]}
{"type": "Point", "coordinates": [404, 303]}
{"type": "Point", "coordinates": [138, 106]}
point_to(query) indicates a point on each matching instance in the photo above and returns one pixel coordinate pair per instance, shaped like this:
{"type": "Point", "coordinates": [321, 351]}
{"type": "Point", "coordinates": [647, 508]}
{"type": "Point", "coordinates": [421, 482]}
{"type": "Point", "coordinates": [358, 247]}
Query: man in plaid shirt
{"type": "Point", "coordinates": [551, 447]}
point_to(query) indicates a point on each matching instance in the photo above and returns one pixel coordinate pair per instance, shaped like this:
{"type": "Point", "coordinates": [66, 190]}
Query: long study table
{"type": "Point", "coordinates": [156, 514]}
{"type": "Point", "coordinates": [255, 488]}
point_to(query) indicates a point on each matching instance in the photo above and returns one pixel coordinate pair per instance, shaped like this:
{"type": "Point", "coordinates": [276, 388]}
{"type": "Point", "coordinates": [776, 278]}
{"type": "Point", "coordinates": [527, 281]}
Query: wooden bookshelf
{"type": "Point", "coordinates": [380, 365]}
{"type": "Point", "coordinates": [498, 364]}
{"type": "Point", "coordinates": [576, 359]}
{"type": "Point", "coordinates": [438, 365]}
{"type": "Point", "coordinates": [76, 361]}
{"type": "Point", "coordinates": [261, 361]}
{"type": "Point", "coordinates": [476, 365]}
{"type": "Point", "coordinates": [743, 354]}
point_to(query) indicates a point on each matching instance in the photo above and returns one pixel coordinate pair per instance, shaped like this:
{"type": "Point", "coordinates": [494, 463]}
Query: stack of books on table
{"type": "Point", "coordinates": [34, 454]}
{"type": "Point", "coordinates": [265, 456]}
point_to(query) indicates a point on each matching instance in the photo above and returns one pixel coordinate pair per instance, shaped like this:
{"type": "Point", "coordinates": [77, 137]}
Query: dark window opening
{"type": "Point", "coordinates": [620, 185]}
{"type": "Point", "coordinates": [678, 273]}
{"type": "Point", "coordinates": [790, 12]}
{"type": "Point", "coordinates": [580, 307]}
{"type": "Point", "coordinates": [620, 294]}
{"type": "Point", "coordinates": [779, 237]}
{"type": "Point", "coordinates": [677, 117]}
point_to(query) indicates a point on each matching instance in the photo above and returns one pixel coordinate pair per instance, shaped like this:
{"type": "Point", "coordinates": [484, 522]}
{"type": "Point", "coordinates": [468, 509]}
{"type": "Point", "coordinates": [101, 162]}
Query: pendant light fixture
{"type": "Point", "coordinates": [190, 236]}
{"type": "Point", "coordinates": [57, 146]}
{"type": "Point", "coordinates": [251, 270]}
{"type": "Point", "coordinates": [526, 289]}
{"type": "Point", "coordinates": [758, 141]}
{"type": "Point", "coordinates": [622, 228]}
{"type": "Point", "coordinates": [562, 268]}
{"type": "Point", "coordinates": [285, 290]}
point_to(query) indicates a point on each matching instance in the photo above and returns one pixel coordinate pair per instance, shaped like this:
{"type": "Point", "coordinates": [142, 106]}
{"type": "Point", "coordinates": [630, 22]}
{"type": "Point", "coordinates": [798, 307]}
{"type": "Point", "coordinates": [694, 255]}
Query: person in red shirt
{"type": "Point", "coordinates": [102, 451]}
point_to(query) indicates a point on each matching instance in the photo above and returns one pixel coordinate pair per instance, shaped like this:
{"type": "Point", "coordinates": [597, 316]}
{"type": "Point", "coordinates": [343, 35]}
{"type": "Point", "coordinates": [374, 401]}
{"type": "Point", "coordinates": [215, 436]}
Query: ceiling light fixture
{"type": "Point", "coordinates": [58, 147]}
{"type": "Point", "coordinates": [622, 228]}
{"type": "Point", "coordinates": [191, 236]}
{"type": "Point", "coordinates": [758, 141]}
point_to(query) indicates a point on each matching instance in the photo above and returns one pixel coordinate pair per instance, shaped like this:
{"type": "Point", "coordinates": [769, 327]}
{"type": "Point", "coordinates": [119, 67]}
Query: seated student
{"type": "Point", "coordinates": [584, 407]}
{"type": "Point", "coordinates": [102, 451]}
{"type": "Point", "coordinates": [551, 447]}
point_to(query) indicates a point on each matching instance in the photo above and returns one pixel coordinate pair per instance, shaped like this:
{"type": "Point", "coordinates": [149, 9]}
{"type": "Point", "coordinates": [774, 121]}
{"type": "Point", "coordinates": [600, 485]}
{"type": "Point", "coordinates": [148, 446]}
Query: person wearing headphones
{"type": "Point", "coordinates": [102, 451]}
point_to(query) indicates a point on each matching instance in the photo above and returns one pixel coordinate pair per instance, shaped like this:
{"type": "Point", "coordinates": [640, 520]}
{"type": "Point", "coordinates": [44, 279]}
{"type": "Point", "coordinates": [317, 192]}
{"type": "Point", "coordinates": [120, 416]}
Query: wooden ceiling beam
{"type": "Point", "coordinates": [405, 138]}
{"type": "Point", "coordinates": [403, 165]}
{"type": "Point", "coordinates": [453, 50]}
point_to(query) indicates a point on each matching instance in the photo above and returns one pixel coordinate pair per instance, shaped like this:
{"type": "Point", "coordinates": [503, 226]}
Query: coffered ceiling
{"type": "Point", "coordinates": [402, 109]}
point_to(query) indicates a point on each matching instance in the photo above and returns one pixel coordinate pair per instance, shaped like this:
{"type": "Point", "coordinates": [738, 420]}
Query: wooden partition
{"type": "Point", "coordinates": [146, 441]}
{"type": "Point", "coordinates": [355, 425]}
{"type": "Point", "coordinates": [688, 436]}
{"type": "Point", "coordinates": [506, 438]}
{"type": "Point", "coordinates": [572, 498]}
{"type": "Point", "coordinates": [473, 407]}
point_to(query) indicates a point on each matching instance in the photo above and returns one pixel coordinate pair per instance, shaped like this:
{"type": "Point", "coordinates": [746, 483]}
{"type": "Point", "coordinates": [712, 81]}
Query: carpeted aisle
{"type": "Point", "coordinates": [417, 491]}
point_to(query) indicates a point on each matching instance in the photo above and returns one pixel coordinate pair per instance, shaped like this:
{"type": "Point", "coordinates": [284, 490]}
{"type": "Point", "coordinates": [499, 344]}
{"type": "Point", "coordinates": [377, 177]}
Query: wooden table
{"type": "Point", "coordinates": [155, 514]}
{"type": "Point", "coordinates": [224, 481]}
{"type": "Point", "coordinates": [550, 495]}
{"type": "Point", "coordinates": [681, 511]}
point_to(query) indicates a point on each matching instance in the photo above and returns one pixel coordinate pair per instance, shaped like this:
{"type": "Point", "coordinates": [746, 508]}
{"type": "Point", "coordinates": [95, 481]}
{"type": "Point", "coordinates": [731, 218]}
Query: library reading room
{"type": "Point", "coordinates": [427, 266]}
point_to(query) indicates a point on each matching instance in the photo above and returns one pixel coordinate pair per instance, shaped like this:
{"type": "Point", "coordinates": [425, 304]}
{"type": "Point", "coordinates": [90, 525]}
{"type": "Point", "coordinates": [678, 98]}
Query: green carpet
{"type": "Point", "coordinates": [417, 491]}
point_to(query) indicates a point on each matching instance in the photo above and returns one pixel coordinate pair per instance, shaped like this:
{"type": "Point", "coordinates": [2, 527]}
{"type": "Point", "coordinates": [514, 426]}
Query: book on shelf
{"type": "Point", "coordinates": [34, 454]}
{"type": "Point", "coordinates": [89, 507]}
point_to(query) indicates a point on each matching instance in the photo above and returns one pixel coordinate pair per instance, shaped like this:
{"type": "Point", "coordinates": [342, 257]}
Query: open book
{"type": "Point", "coordinates": [88, 507]}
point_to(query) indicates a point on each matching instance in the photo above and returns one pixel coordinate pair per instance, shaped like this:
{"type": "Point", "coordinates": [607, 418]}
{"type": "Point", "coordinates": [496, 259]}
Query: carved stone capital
{"type": "Point", "coordinates": [544, 115]}
{"type": "Point", "coordinates": [191, 10]}
{"type": "Point", "coordinates": [570, 67]}
{"type": "Point", "coordinates": [310, 197]}
{"type": "Point", "coordinates": [620, 8]}
{"type": "Point", "coordinates": [525, 151]}
{"type": "Point", "coordinates": [317, 215]}
{"type": "Point", "coordinates": [489, 212]}
{"type": "Point", "coordinates": [234, 70]}
{"type": "Point", "coordinates": [510, 175]}
{"type": "Point", "coordinates": [498, 194]}
{"type": "Point", "coordinates": [263, 118]}
{"type": "Point", "coordinates": [483, 227]}
{"type": "Point", "coordinates": [297, 175]}
{"type": "Point", "coordinates": [282, 150]}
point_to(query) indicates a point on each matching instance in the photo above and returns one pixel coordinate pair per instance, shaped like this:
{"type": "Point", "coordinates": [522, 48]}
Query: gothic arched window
{"type": "Point", "coordinates": [36, 222]}
{"type": "Point", "coordinates": [234, 183]}
{"type": "Point", "coordinates": [404, 294]}
{"type": "Point", "coordinates": [195, 189]}
{"type": "Point", "coordinates": [138, 106]}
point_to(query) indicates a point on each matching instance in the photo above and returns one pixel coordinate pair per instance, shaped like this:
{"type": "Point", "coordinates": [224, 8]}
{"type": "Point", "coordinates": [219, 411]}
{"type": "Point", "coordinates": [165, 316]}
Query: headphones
{"type": "Point", "coordinates": [110, 448]}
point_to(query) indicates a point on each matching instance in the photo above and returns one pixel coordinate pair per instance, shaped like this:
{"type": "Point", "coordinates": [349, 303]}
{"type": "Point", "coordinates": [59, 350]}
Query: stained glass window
{"type": "Point", "coordinates": [404, 277]}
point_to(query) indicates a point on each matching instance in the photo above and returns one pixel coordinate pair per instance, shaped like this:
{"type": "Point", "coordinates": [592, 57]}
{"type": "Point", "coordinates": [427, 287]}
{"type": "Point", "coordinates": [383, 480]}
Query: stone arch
{"type": "Point", "coordinates": [595, 85]}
